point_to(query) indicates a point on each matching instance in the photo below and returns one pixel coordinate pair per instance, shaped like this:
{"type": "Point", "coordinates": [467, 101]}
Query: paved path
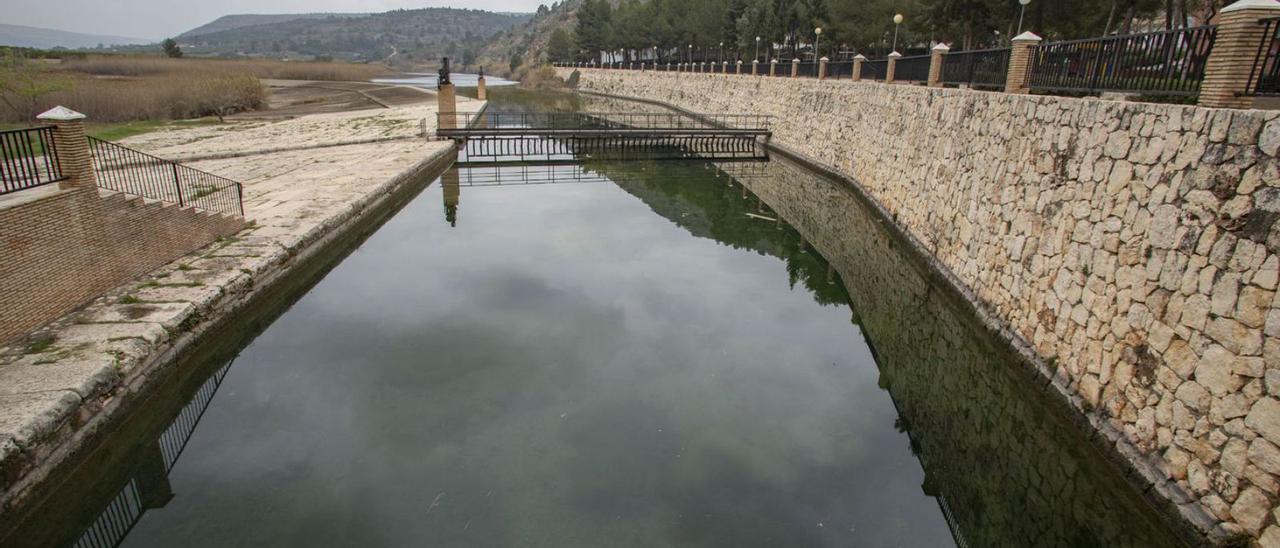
{"type": "Point", "coordinates": [66, 378]}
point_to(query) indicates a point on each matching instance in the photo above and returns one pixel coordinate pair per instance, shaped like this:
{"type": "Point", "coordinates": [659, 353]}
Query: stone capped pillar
{"type": "Point", "coordinates": [755, 67]}
{"type": "Point", "coordinates": [1226, 77]}
{"type": "Point", "coordinates": [724, 67]}
{"type": "Point", "coordinates": [72, 148]}
{"type": "Point", "coordinates": [447, 106]}
{"type": "Point", "coordinates": [482, 93]}
{"type": "Point", "coordinates": [795, 68]}
{"type": "Point", "coordinates": [936, 59]}
{"type": "Point", "coordinates": [822, 68]}
{"type": "Point", "coordinates": [1020, 63]}
{"type": "Point", "coordinates": [893, 67]}
{"type": "Point", "coordinates": [857, 66]}
{"type": "Point", "coordinates": [739, 66]}
{"type": "Point", "coordinates": [773, 67]}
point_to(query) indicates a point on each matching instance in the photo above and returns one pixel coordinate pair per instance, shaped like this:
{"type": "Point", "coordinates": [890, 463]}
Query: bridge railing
{"type": "Point", "coordinates": [600, 120]}
{"type": "Point", "coordinates": [28, 159]}
{"type": "Point", "coordinates": [123, 169]}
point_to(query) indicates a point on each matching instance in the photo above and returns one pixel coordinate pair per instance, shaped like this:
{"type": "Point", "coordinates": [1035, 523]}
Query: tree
{"type": "Point", "coordinates": [171, 48]}
{"type": "Point", "coordinates": [516, 61]}
{"type": "Point", "coordinates": [23, 82]}
{"type": "Point", "coordinates": [560, 46]}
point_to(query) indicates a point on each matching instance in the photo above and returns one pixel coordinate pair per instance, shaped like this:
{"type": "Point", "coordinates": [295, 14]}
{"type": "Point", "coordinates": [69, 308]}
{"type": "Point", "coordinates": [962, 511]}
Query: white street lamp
{"type": "Point", "coordinates": [757, 57]}
{"type": "Point", "coordinates": [818, 38]}
{"type": "Point", "coordinates": [897, 21]}
{"type": "Point", "coordinates": [1023, 14]}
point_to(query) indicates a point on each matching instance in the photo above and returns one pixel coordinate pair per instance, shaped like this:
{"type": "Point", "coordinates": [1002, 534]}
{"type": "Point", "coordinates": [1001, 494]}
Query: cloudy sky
{"type": "Point", "coordinates": [161, 18]}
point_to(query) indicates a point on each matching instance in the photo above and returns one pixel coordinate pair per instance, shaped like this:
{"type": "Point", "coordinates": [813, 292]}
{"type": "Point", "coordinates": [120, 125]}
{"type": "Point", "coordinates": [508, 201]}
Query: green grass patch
{"type": "Point", "coordinates": [130, 299]}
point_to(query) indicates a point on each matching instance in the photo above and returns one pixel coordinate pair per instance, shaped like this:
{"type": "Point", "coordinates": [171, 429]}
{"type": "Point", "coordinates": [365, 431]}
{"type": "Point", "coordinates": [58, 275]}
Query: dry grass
{"type": "Point", "coordinates": [542, 77]}
{"type": "Point", "coordinates": [262, 68]}
{"type": "Point", "coordinates": [173, 97]}
{"type": "Point", "coordinates": [128, 88]}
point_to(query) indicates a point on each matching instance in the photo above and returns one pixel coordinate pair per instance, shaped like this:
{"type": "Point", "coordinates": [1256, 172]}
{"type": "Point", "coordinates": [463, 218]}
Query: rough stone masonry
{"type": "Point", "coordinates": [1133, 246]}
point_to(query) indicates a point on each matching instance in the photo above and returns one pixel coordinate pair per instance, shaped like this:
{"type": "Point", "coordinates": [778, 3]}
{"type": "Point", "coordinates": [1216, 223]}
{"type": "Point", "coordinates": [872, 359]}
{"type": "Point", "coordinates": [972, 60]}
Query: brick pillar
{"type": "Point", "coordinates": [481, 92]}
{"type": "Point", "coordinates": [739, 66]}
{"type": "Point", "coordinates": [938, 57]}
{"type": "Point", "coordinates": [822, 68]}
{"type": "Point", "coordinates": [893, 67]}
{"type": "Point", "coordinates": [1020, 63]}
{"type": "Point", "coordinates": [857, 66]}
{"type": "Point", "coordinates": [795, 68]}
{"type": "Point", "coordinates": [724, 67]}
{"type": "Point", "coordinates": [1226, 76]}
{"type": "Point", "coordinates": [447, 106]}
{"type": "Point", "coordinates": [73, 148]}
{"type": "Point", "coordinates": [773, 67]}
{"type": "Point", "coordinates": [755, 67]}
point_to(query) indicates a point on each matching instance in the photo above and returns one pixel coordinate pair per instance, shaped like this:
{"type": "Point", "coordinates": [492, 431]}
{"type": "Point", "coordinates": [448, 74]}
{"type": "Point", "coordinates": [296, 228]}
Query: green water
{"type": "Point", "coordinates": [633, 354]}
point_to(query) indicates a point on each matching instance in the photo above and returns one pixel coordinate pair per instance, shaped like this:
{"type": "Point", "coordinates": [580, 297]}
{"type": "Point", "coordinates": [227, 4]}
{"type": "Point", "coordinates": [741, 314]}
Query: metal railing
{"type": "Point", "coordinates": [604, 120]}
{"type": "Point", "coordinates": [133, 172]}
{"type": "Point", "coordinates": [1156, 63]}
{"type": "Point", "coordinates": [987, 68]}
{"type": "Point", "coordinates": [1264, 78]}
{"type": "Point", "coordinates": [28, 159]}
{"type": "Point", "coordinates": [912, 69]}
{"type": "Point", "coordinates": [877, 69]}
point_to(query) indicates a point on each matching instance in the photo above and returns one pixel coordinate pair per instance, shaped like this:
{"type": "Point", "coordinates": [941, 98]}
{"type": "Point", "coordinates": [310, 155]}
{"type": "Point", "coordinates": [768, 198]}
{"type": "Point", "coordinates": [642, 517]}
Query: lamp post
{"type": "Point", "coordinates": [757, 57]}
{"type": "Point", "coordinates": [1022, 15]}
{"type": "Point", "coordinates": [897, 21]}
{"type": "Point", "coordinates": [690, 54]}
{"type": "Point", "coordinates": [721, 52]}
{"type": "Point", "coordinates": [817, 33]}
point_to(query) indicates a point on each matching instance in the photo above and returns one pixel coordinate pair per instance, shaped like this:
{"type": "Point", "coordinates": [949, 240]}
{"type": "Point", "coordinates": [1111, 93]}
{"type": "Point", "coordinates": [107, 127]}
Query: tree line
{"type": "Point", "coordinates": [634, 28]}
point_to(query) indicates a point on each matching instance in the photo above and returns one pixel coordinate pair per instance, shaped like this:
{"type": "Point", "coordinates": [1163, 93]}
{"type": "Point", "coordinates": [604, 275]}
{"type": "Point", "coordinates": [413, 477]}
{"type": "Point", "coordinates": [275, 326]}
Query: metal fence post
{"type": "Point", "coordinates": [938, 57]}
{"type": "Point", "coordinates": [177, 185]}
{"type": "Point", "coordinates": [1019, 80]}
{"type": "Point", "coordinates": [893, 67]}
{"type": "Point", "coordinates": [1231, 63]}
{"type": "Point", "coordinates": [857, 66]}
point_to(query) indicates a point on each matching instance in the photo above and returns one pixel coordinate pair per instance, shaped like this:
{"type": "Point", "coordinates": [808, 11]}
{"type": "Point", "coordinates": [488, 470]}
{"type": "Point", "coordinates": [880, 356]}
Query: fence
{"type": "Point", "coordinates": [28, 159]}
{"type": "Point", "coordinates": [603, 120]}
{"type": "Point", "coordinates": [988, 68]}
{"type": "Point", "coordinates": [912, 69]}
{"type": "Point", "coordinates": [129, 171]}
{"type": "Point", "coordinates": [1264, 78]}
{"type": "Point", "coordinates": [1159, 63]}
{"type": "Point", "coordinates": [875, 69]}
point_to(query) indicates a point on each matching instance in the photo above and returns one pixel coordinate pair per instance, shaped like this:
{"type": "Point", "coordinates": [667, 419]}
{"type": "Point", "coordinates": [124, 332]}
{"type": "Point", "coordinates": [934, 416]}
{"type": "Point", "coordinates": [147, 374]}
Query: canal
{"type": "Point", "coordinates": [604, 353]}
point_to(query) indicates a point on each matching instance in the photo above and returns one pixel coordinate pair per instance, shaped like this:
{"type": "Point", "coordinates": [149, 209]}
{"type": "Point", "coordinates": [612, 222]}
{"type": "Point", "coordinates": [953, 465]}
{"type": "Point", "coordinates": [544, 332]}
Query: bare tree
{"type": "Point", "coordinates": [24, 81]}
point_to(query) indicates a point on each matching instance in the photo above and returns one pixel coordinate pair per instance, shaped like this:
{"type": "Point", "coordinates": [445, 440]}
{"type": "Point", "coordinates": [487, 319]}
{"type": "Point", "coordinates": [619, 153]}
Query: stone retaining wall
{"type": "Point", "coordinates": [1132, 246]}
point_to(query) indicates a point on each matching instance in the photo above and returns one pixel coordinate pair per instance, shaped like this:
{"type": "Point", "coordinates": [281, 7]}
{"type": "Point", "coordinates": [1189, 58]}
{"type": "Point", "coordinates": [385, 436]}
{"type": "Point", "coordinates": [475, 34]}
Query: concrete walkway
{"type": "Point", "coordinates": [303, 180]}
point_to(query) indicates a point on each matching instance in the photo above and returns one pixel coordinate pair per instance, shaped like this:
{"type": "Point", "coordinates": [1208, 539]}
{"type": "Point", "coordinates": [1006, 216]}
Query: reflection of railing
{"type": "Point", "coordinates": [1264, 79]}
{"type": "Point", "coordinates": [912, 69]}
{"type": "Point", "coordinates": [28, 159]}
{"type": "Point", "coordinates": [1159, 63]}
{"type": "Point", "coordinates": [977, 68]}
{"type": "Point", "coordinates": [123, 169]}
{"type": "Point", "coordinates": [115, 521]}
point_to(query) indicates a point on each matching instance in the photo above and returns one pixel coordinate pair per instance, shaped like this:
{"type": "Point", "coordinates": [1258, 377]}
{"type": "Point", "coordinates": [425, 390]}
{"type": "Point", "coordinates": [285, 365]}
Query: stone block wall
{"type": "Point", "coordinates": [1133, 246]}
{"type": "Point", "coordinates": [59, 251]}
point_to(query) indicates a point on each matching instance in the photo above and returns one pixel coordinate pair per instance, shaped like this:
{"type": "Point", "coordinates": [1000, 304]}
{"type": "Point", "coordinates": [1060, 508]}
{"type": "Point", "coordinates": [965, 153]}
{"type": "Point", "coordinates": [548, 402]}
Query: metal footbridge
{"type": "Point", "coordinates": [549, 136]}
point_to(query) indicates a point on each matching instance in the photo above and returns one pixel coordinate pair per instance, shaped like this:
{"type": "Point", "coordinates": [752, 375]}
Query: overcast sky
{"type": "Point", "coordinates": [160, 18]}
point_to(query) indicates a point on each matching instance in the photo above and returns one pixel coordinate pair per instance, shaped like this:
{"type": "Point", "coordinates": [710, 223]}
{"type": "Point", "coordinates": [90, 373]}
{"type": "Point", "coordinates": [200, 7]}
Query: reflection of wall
{"type": "Point", "coordinates": [1134, 246]}
{"type": "Point", "coordinates": [1012, 471]}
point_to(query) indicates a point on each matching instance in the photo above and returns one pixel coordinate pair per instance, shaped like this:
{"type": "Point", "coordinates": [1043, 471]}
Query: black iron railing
{"type": "Point", "coordinates": [129, 171]}
{"type": "Point", "coordinates": [1155, 63]}
{"type": "Point", "coordinates": [1264, 79]}
{"type": "Point", "coordinates": [28, 159]}
{"type": "Point", "coordinates": [877, 69]}
{"type": "Point", "coordinates": [603, 120]}
{"type": "Point", "coordinates": [987, 68]}
{"type": "Point", "coordinates": [912, 69]}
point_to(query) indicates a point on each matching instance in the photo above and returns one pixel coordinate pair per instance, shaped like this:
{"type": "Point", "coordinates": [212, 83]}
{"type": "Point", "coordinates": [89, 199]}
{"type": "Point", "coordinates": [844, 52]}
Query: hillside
{"type": "Point", "coordinates": [230, 22]}
{"type": "Point", "coordinates": [529, 40]}
{"type": "Point", "coordinates": [36, 37]}
{"type": "Point", "coordinates": [402, 37]}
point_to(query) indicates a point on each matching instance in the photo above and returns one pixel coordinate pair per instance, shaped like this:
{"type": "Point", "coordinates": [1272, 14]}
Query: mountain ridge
{"type": "Point", "coordinates": [47, 38]}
